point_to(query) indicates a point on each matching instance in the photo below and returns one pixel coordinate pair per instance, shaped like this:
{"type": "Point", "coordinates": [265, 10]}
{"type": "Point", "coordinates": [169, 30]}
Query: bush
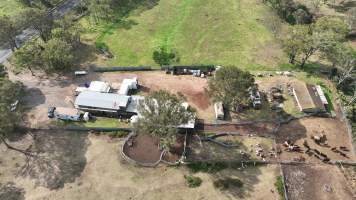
{"type": "Point", "coordinates": [224, 184]}
{"type": "Point", "coordinates": [2, 70]}
{"type": "Point", "coordinates": [207, 167]}
{"type": "Point", "coordinates": [117, 134]}
{"type": "Point", "coordinates": [280, 186]}
{"type": "Point", "coordinates": [102, 46]}
{"type": "Point", "coordinates": [164, 57]}
{"type": "Point", "coordinates": [193, 181]}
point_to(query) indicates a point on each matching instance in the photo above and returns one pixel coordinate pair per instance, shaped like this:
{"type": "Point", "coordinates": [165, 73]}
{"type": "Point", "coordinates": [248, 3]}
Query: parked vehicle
{"type": "Point", "coordinates": [50, 113]}
{"type": "Point", "coordinates": [80, 73]}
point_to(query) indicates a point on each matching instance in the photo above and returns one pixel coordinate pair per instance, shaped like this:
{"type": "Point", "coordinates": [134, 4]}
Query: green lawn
{"type": "Point", "coordinates": [10, 7]}
{"type": "Point", "coordinates": [226, 32]}
{"type": "Point", "coordinates": [100, 122]}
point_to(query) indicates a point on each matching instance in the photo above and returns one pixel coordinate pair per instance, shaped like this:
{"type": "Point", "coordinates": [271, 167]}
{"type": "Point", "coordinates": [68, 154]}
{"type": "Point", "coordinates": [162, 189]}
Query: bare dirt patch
{"type": "Point", "coordinates": [244, 149]}
{"type": "Point", "coordinates": [143, 148]}
{"type": "Point", "coordinates": [319, 182]}
{"type": "Point", "coordinates": [193, 88]}
{"type": "Point", "coordinates": [303, 129]}
{"type": "Point", "coordinates": [254, 129]}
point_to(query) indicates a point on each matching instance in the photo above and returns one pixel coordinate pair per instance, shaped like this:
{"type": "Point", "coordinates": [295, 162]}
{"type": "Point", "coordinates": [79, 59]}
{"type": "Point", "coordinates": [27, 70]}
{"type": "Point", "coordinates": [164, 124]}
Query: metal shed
{"type": "Point", "coordinates": [103, 102]}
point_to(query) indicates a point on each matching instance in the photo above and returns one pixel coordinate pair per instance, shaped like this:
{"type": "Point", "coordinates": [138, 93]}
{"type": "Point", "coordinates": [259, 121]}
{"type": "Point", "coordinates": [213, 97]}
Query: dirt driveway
{"type": "Point", "coordinates": [45, 91]}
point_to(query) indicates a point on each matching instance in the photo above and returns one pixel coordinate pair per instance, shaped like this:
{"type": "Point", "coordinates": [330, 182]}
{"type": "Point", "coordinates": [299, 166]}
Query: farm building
{"type": "Point", "coordinates": [128, 84]}
{"type": "Point", "coordinates": [95, 86]}
{"type": "Point", "coordinates": [310, 98]}
{"type": "Point", "coordinates": [133, 109]}
{"type": "Point", "coordinates": [102, 103]}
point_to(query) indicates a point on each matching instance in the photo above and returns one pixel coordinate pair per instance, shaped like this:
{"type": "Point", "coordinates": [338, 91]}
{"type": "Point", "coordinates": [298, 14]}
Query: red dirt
{"type": "Point", "coordinates": [144, 149]}
{"type": "Point", "coordinates": [303, 129]}
{"type": "Point", "coordinates": [193, 88]}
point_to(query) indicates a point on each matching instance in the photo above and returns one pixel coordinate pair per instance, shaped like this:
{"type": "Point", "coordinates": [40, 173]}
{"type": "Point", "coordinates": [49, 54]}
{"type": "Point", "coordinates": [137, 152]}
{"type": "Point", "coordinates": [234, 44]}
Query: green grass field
{"type": "Point", "coordinates": [226, 32]}
{"type": "Point", "coordinates": [10, 7]}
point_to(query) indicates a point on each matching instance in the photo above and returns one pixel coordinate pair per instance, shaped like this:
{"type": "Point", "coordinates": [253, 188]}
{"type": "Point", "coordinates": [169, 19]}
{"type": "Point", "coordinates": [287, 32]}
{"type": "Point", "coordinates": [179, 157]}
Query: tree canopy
{"type": "Point", "coordinates": [161, 113]}
{"type": "Point", "coordinates": [9, 118]}
{"type": "Point", "coordinates": [303, 41]}
{"type": "Point", "coordinates": [163, 56]}
{"type": "Point", "coordinates": [54, 51]}
{"type": "Point", "coordinates": [10, 28]}
{"type": "Point", "coordinates": [39, 20]}
{"type": "Point", "coordinates": [230, 85]}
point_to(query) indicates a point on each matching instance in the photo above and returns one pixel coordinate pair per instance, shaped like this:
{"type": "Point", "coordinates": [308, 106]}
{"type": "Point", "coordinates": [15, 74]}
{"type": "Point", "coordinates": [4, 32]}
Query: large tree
{"type": "Point", "coordinates": [230, 85]}
{"type": "Point", "coordinates": [39, 20]}
{"type": "Point", "coordinates": [10, 116]}
{"type": "Point", "coordinates": [57, 55]}
{"type": "Point", "coordinates": [160, 115]}
{"type": "Point", "coordinates": [100, 9]}
{"type": "Point", "coordinates": [29, 56]}
{"type": "Point", "coordinates": [297, 41]}
{"type": "Point", "coordinates": [67, 29]}
{"type": "Point", "coordinates": [9, 29]}
{"type": "Point", "coordinates": [303, 41]}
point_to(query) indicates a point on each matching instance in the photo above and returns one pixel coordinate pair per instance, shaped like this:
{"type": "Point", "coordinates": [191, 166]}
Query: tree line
{"type": "Point", "coordinates": [52, 51]}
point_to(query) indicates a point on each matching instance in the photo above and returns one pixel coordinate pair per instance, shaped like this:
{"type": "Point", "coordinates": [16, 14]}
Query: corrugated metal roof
{"type": "Point", "coordinates": [102, 100]}
{"type": "Point", "coordinates": [134, 103]}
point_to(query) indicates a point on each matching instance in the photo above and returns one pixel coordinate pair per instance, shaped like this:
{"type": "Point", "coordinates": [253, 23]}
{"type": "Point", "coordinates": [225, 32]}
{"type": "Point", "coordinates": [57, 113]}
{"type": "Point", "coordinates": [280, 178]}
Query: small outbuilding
{"type": "Point", "coordinates": [310, 98]}
{"type": "Point", "coordinates": [219, 110]}
{"type": "Point", "coordinates": [95, 86]}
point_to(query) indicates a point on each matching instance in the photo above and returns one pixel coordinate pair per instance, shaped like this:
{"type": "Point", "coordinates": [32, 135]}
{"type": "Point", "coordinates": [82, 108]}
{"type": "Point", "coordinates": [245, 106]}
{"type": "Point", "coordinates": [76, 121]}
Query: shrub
{"type": "Point", "coordinates": [207, 167]}
{"type": "Point", "coordinates": [102, 46]}
{"type": "Point", "coordinates": [193, 181]}
{"type": "Point", "coordinates": [164, 57]}
{"type": "Point", "coordinates": [228, 182]}
{"type": "Point", "coordinates": [117, 134]}
{"type": "Point", "coordinates": [280, 186]}
{"type": "Point", "coordinates": [2, 70]}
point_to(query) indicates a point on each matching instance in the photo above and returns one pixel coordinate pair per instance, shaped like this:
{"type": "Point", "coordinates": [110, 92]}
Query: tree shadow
{"type": "Point", "coordinates": [33, 97]}
{"type": "Point", "coordinates": [59, 158]}
{"type": "Point", "coordinates": [230, 178]}
{"type": "Point", "coordinates": [9, 191]}
{"type": "Point", "coordinates": [248, 177]}
{"type": "Point", "coordinates": [83, 54]}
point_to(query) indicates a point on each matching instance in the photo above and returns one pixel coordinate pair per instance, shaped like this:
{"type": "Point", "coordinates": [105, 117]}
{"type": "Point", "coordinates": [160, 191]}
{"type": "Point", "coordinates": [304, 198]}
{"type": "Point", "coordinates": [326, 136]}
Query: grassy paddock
{"type": "Point", "coordinates": [228, 32]}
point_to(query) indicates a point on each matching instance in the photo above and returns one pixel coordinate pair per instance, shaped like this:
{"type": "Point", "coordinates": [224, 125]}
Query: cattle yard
{"type": "Point", "coordinates": [253, 135]}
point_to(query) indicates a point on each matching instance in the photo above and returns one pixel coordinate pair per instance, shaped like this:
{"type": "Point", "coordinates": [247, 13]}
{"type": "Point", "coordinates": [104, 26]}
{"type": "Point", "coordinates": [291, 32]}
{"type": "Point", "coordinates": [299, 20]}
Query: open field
{"type": "Point", "coordinates": [10, 7]}
{"type": "Point", "coordinates": [229, 32]}
{"type": "Point", "coordinates": [317, 182]}
{"type": "Point", "coordinates": [104, 175]}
